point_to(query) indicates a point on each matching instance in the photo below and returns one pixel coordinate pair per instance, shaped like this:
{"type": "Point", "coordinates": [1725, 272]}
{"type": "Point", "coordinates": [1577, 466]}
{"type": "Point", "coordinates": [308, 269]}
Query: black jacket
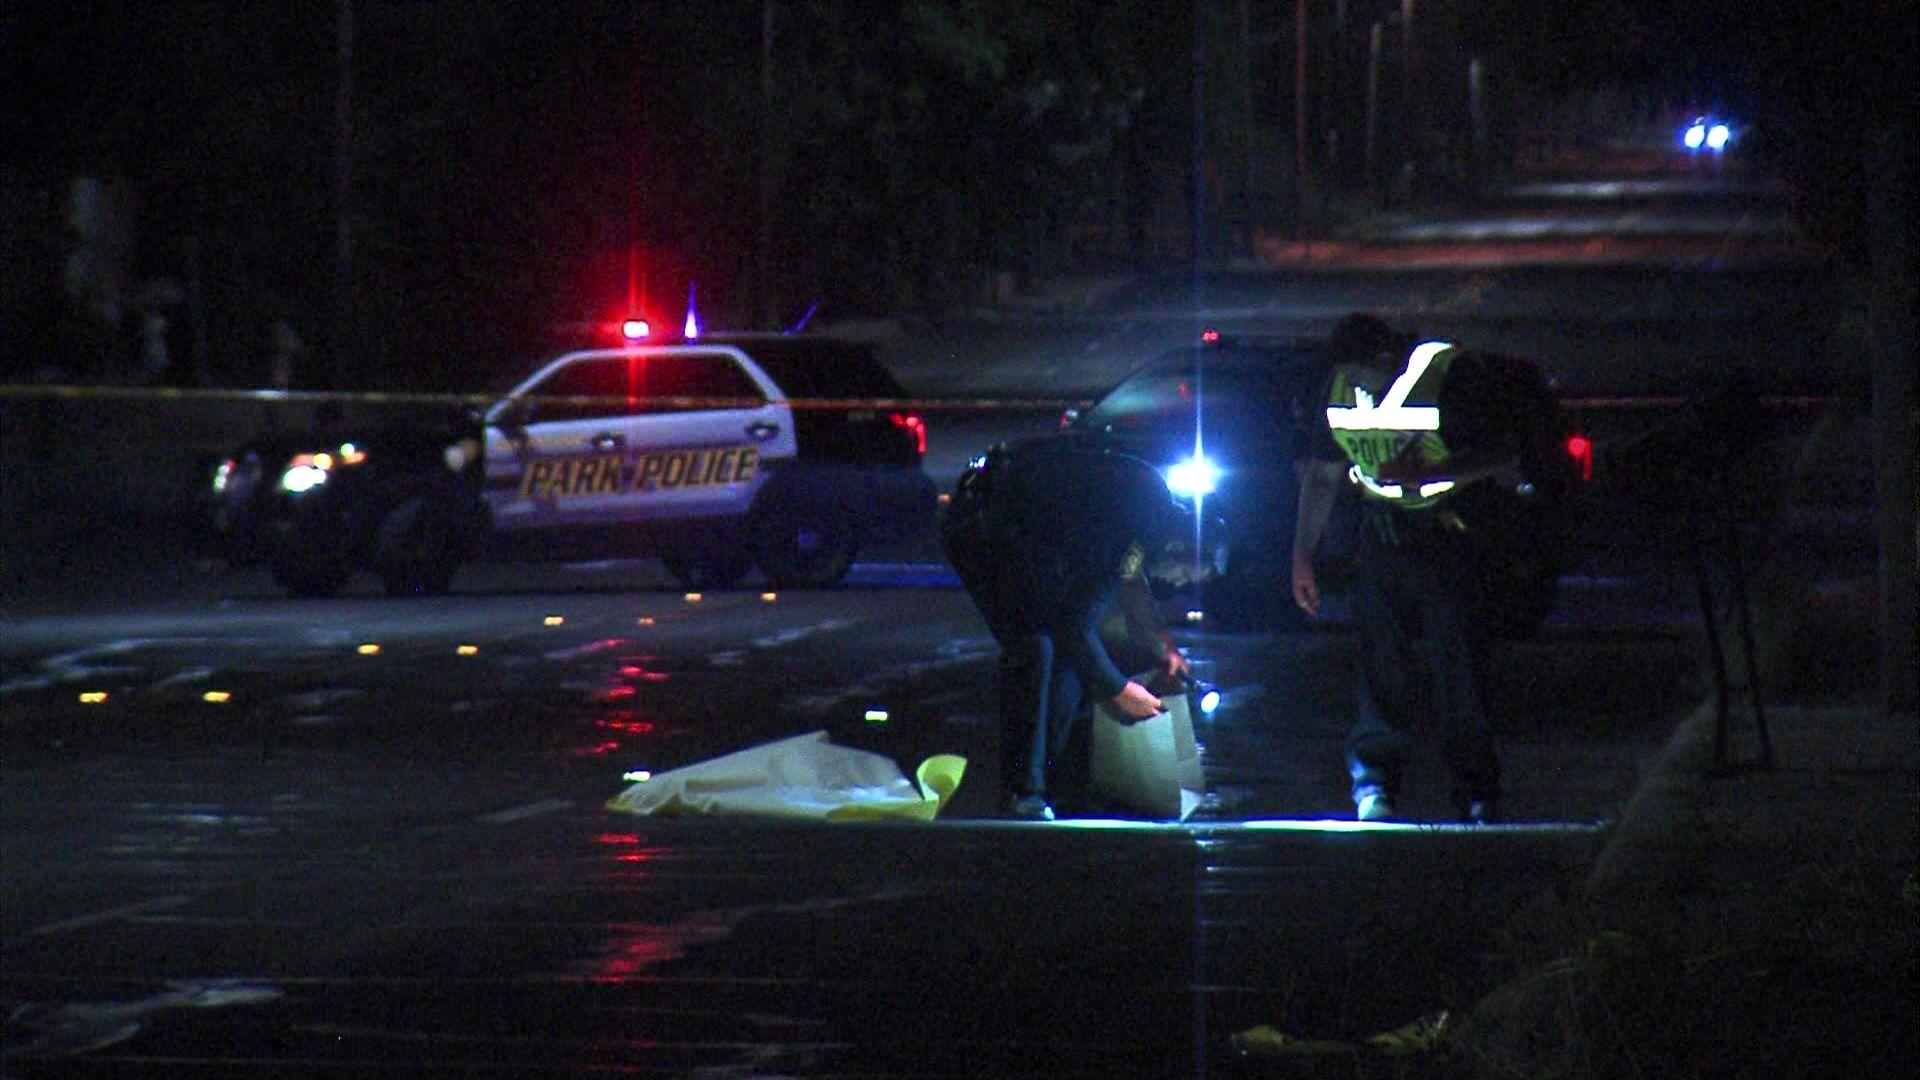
{"type": "Point", "coordinates": [1041, 537]}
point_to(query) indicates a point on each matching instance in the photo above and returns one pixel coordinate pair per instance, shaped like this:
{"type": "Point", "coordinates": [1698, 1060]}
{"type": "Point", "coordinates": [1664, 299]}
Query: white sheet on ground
{"type": "Point", "coordinates": [805, 777]}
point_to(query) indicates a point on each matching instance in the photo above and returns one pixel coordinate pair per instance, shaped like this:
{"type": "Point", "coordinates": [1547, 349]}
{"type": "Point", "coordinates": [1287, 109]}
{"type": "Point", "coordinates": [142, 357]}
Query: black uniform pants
{"type": "Point", "coordinates": [1422, 665]}
{"type": "Point", "coordinates": [1039, 692]}
{"type": "Point", "coordinates": [1040, 697]}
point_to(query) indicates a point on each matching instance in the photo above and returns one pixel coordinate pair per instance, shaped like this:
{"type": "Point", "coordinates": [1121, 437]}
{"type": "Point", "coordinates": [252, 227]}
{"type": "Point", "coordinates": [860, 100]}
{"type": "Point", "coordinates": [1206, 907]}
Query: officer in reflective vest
{"type": "Point", "coordinates": [1410, 427]}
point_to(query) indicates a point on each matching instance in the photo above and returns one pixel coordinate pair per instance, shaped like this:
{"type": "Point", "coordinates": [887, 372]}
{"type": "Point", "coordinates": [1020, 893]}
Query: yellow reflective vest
{"type": "Point", "coordinates": [1375, 421]}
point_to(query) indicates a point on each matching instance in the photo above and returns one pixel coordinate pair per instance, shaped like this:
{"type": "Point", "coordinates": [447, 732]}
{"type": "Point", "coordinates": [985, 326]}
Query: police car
{"type": "Point", "coordinates": [1227, 421]}
{"type": "Point", "coordinates": [718, 455]}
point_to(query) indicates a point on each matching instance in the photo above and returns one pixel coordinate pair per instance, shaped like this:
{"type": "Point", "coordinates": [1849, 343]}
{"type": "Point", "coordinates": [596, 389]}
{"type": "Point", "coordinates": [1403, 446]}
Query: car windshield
{"type": "Point", "coordinates": [807, 369]}
{"type": "Point", "coordinates": [1171, 392]}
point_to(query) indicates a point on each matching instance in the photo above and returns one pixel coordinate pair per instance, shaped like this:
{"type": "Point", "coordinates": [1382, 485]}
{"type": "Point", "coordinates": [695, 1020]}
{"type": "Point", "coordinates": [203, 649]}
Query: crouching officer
{"type": "Point", "coordinates": [1049, 538]}
{"type": "Point", "coordinates": [1413, 428]}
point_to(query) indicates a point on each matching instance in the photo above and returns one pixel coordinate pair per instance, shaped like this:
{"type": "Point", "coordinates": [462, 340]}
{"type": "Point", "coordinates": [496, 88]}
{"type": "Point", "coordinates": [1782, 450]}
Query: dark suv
{"type": "Point", "coordinates": [1229, 420]}
{"type": "Point", "coordinates": [719, 455]}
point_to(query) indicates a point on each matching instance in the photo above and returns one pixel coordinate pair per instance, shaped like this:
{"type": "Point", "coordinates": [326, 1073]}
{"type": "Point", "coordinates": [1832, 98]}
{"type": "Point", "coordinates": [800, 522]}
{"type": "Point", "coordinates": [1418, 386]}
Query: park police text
{"type": "Point", "coordinates": [618, 474]}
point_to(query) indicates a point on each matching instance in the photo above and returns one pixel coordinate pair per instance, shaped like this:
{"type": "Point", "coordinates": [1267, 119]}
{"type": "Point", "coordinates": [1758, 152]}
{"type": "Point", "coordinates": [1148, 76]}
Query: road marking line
{"type": "Point", "coordinates": [1303, 825]}
{"type": "Point", "coordinates": [160, 903]}
{"type": "Point", "coordinates": [518, 813]}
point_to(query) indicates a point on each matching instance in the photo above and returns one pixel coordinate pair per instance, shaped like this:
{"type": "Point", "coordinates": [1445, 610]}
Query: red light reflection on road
{"type": "Point", "coordinates": [596, 750]}
{"type": "Point", "coordinates": [626, 723]}
{"type": "Point", "coordinates": [631, 949]}
{"type": "Point", "coordinates": [629, 956]}
{"type": "Point", "coordinates": [627, 840]}
{"type": "Point", "coordinates": [635, 671]}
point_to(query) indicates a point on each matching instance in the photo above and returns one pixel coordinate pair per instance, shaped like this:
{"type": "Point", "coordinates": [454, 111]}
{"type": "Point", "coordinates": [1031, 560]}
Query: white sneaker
{"type": "Point", "coordinates": [1374, 808]}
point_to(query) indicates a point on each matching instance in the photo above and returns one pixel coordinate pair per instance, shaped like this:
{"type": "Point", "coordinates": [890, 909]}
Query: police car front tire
{"type": "Point", "coordinates": [417, 550]}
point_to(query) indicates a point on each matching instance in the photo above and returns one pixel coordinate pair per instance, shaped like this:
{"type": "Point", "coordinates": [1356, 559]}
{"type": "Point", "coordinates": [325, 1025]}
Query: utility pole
{"type": "Point", "coordinates": [197, 311]}
{"type": "Point", "coordinates": [1373, 98]}
{"type": "Point", "coordinates": [342, 192]}
{"type": "Point", "coordinates": [1890, 347]}
{"type": "Point", "coordinates": [1248, 176]}
{"type": "Point", "coordinates": [1404, 119]}
{"type": "Point", "coordinates": [764, 256]}
{"type": "Point", "coordinates": [1477, 114]}
{"type": "Point", "coordinates": [1198, 223]}
{"type": "Point", "coordinates": [1300, 150]}
{"type": "Point", "coordinates": [1406, 54]}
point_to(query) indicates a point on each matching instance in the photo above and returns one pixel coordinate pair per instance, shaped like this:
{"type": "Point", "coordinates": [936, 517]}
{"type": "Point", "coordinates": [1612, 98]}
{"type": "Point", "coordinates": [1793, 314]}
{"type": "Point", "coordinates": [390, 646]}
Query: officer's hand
{"type": "Point", "coordinates": [1135, 702]}
{"type": "Point", "coordinates": [1306, 590]}
{"type": "Point", "coordinates": [1173, 665]}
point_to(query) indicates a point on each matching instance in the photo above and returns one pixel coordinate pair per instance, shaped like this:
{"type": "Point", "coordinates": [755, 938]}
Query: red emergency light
{"type": "Point", "coordinates": [913, 423]}
{"type": "Point", "coordinates": [635, 329]}
{"type": "Point", "coordinates": [1580, 449]}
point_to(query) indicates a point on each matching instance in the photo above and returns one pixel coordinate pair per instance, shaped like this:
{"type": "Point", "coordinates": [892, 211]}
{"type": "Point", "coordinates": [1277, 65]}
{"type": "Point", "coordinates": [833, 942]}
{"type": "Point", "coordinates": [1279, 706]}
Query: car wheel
{"type": "Point", "coordinates": [417, 549]}
{"type": "Point", "coordinates": [805, 547]}
{"type": "Point", "coordinates": [315, 578]}
{"type": "Point", "coordinates": [697, 573]}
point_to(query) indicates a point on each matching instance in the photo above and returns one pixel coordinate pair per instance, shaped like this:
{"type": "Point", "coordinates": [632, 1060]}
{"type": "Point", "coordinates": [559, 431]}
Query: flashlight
{"type": "Point", "coordinates": [1204, 695]}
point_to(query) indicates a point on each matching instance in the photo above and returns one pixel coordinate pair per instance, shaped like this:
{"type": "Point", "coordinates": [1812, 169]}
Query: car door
{"type": "Point", "coordinates": [604, 438]}
{"type": "Point", "coordinates": [708, 430]}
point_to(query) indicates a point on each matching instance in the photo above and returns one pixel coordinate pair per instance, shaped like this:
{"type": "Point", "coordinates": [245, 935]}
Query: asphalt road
{"type": "Point", "coordinates": [401, 858]}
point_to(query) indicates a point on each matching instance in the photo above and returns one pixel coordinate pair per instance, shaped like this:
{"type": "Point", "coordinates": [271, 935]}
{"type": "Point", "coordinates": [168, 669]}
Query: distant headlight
{"type": "Point", "coordinates": [305, 477]}
{"type": "Point", "coordinates": [1194, 477]}
{"type": "Point", "coordinates": [308, 471]}
{"type": "Point", "coordinates": [461, 454]}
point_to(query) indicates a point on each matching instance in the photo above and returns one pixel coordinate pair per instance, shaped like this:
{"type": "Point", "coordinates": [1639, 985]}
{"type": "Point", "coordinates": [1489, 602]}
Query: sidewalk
{"type": "Point", "coordinates": [1741, 920]}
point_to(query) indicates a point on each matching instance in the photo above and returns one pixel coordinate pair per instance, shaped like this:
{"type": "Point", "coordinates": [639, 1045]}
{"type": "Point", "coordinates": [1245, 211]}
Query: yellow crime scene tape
{"type": "Point", "coordinates": [1662, 401]}
{"type": "Point", "coordinates": [378, 397]}
{"type": "Point", "coordinates": [66, 391]}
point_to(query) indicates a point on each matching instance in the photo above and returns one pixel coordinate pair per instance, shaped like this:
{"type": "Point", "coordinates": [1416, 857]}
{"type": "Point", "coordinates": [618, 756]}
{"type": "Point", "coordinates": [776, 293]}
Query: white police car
{"type": "Point", "coordinates": [717, 455]}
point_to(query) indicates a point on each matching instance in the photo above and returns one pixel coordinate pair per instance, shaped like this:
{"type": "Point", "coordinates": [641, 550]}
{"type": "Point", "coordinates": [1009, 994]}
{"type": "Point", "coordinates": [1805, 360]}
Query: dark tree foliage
{"type": "Point", "coordinates": [516, 165]}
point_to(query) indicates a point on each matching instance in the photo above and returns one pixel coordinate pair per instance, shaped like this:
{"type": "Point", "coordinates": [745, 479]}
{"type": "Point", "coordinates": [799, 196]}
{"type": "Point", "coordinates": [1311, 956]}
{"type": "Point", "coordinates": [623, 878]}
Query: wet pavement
{"type": "Point", "coordinates": [569, 943]}
{"type": "Point", "coordinates": [399, 861]}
